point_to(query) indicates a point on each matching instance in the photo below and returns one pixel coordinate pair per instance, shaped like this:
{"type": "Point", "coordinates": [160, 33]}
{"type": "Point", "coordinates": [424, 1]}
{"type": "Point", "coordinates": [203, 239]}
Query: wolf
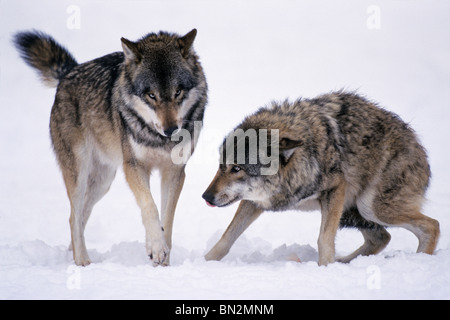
{"type": "Point", "coordinates": [125, 108]}
{"type": "Point", "coordinates": [360, 164]}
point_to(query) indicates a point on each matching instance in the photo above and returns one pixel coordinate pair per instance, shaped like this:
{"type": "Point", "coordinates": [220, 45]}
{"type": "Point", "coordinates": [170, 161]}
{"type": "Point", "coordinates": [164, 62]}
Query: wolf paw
{"type": "Point", "coordinates": [82, 260]}
{"type": "Point", "coordinates": [159, 254]}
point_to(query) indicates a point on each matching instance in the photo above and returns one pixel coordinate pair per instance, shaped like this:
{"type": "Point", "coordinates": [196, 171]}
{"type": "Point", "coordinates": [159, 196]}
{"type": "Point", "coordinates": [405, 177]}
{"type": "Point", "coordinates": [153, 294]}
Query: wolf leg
{"type": "Point", "coordinates": [75, 179]}
{"type": "Point", "coordinates": [98, 183]}
{"type": "Point", "coordinates": [244, 217]}
{"type": "Point", "coordinates": [138, 179]}
{"type": "Point", "coordinates": [172, 181]}
{"type": "Point", "coordinates": [332, 208]}
{"type": "Point", "coordinates": [80, 255]}
{"type": "Point", "coordinates": [375, 240]}
{"type": "Point", "coordinates": [425, 229]}
{"type": "Point", "coordinates": [406, 214]}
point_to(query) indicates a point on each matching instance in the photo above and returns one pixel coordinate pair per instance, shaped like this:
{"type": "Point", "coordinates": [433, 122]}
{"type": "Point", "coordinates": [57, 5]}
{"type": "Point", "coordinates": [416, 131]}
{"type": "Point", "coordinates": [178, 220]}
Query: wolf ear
{"type": "Point", "coordinates": [287, 147]}
{"type": "Point", "coordinates": [130, 50]}
{"type": "Point", "coordinates": [186, 42]}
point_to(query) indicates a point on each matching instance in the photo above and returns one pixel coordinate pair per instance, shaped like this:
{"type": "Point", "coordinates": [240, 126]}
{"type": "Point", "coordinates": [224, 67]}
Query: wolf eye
{"type": "Point", "coordinates": [151, 96]}
{"type": "Point", "coordinates": [235, 169]}
{"type": "Point", "coordinates": [177, 93]}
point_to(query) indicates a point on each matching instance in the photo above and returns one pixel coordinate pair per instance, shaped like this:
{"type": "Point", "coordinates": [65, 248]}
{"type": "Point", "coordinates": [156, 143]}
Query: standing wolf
{"type": "Point", "coordinates": [360, 164]}
{"type": "Point", "coordinates": [123, 108]}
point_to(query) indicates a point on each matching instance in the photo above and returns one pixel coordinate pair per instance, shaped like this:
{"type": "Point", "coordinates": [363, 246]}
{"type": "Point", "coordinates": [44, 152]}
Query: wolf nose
{"type": "Point", "coordinates": [209, 198]}
{"type": "Point", "coordinates": [168, 132]}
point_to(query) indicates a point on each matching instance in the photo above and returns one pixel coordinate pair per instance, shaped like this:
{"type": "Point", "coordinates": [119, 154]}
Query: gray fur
{"type": "Point", "coordinates": [359, 163]}
{"type": "Point", "coordinates": [121, 109]}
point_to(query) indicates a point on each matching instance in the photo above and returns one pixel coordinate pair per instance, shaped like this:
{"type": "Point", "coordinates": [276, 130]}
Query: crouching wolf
{"type": "Point", "coordinates": [125, 108]}
{"type": "Point", "coordinates": [359, 164]}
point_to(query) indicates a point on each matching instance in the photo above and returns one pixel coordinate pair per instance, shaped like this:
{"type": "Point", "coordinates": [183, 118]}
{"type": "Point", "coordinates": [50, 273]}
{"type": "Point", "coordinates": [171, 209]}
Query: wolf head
{"type": "Point", "coordinates": [253, 179]}
{"type": "Point", "coordinates": [163, 74]}
{"type": "Point", "coordinates": [274, 174]}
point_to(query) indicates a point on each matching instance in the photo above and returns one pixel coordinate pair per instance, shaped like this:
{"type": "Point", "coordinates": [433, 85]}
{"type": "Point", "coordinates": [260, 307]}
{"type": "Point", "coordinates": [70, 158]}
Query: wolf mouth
{"type": "Point", "coordinates": [228, 203]}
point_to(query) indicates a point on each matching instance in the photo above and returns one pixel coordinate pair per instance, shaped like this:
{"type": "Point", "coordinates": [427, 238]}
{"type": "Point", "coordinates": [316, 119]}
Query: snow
{"type": "Point", "coordinates": [252, 52]}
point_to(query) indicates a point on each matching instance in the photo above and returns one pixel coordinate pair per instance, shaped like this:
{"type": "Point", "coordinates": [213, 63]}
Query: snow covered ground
{"type": "Point", "coordinates": [395, 52]}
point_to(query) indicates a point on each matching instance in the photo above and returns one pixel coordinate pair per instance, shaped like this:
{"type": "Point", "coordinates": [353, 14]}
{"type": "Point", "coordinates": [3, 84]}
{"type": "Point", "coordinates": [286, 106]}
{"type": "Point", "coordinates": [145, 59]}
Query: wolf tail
{"type": "Point", "coordinates": [42, 52]}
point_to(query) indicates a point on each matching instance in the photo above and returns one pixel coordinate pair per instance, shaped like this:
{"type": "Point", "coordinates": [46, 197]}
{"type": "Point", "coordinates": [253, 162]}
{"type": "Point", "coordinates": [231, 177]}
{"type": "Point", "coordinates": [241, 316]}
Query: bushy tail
{"type": "Point", "coordinates": [41, 51]}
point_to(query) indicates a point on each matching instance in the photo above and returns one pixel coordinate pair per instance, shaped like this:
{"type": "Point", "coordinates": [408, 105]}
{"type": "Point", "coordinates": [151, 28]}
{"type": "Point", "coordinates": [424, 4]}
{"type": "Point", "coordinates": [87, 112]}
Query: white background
{"type": "Point", "coordinates": [252, 52]}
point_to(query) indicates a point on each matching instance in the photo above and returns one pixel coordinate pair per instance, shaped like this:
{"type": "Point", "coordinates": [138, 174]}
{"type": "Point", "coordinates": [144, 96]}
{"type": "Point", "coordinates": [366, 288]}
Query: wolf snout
{"type": "Point", "coordinates": [170, 131]}
{"type": "Point", "coordinates": [209, 198]}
